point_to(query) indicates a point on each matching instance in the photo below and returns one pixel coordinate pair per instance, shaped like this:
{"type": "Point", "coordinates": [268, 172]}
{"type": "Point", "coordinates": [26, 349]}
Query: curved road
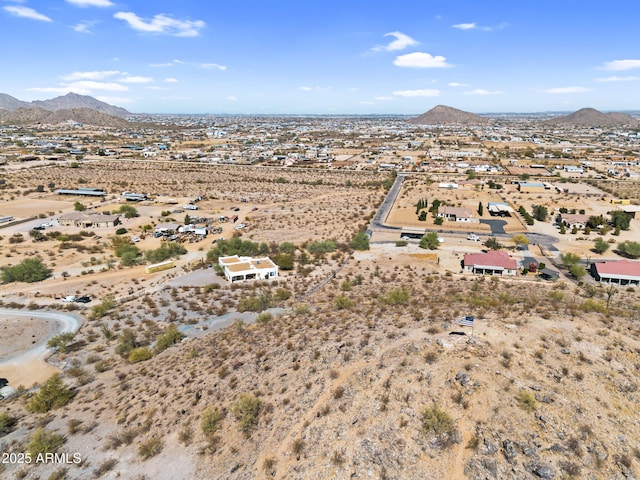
{"type": "Point", "coordinates": [66, 323]}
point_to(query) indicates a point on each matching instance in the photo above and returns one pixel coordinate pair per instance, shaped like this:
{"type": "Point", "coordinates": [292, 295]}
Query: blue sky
{"type": "Point", "coordinates": [325, 56]}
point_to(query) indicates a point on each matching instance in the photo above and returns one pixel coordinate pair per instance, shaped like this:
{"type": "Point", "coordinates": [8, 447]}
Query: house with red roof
{"type": "Point", "coordinates": [621, 272]}
{"type": "Point", "coordinates": [494, 262]}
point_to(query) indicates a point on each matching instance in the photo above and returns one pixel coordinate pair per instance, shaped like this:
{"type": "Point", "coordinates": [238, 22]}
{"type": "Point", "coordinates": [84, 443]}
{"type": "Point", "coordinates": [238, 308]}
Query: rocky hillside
{"type": "Point", "coordinates": [443, 115]}
{"type": "Point", "coordinates": [69, 101]}
{"type": "Point", "coordinates": [363, 379]}
{"type": "Point", "coordinates": [590, 117]}
{"type": "Point", "coordinates": [32, 116]}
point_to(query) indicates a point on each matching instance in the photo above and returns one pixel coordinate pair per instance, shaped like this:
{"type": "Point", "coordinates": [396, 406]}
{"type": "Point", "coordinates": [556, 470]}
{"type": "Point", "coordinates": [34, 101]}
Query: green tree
{"type": "Point", "coordinates": [79, 207]}
{"type": "Point", "coordinates": [629, 249]}
{"type": "Point", "coordinates": [578, 271]}
{"type": "Point", "coordinates": [171, 336]}
{"type": "Point", "coordinates": [53, 394]}
{"type": "Point", "coordinates": [620, 220]}
{"type": "Point", "coordinates": [492, 243]}
{"type": "Point", "coordinates": [600, 245]}
{"type": "Point", "coordinates": [429, 241]}
{"type": "Point", "coordinates": [519, 239]}
{"type": "Point", "coordinates": [480, 209]}
{"type": "Point", "coordinates": [360, 241]}
{"type": "Point", "coordinates": [286, 247]}
{"type": "Point", "coordinates": [164, 252]}
{"type": "Point", "coordinates": [126, 342]}
{"type": "Point", "coordinates": [128, 211]}
{"type": "Point", "coordinates": [540, 213]}
{"type": "Point", "coordinates": [569, 259]}
{"type": "Point", "coordinates": [438, 221]}
{"type": "Point", "coordinates": [29, 270]}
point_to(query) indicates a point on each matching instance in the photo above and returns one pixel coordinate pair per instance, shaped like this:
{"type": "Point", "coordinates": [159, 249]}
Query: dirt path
{"type": "Point", "coordinates": [24, 346]}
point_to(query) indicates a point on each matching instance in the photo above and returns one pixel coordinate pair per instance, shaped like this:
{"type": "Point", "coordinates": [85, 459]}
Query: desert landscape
{"type": "Point", "coordinates": [358, 359]}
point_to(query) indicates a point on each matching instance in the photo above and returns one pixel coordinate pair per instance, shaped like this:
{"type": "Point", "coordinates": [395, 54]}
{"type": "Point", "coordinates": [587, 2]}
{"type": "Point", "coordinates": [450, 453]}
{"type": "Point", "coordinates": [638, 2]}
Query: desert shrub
{"type": "Point", "coordinates": [29, 270]}
{"type": "Point", "coordinates": [246, 410]}
{"type": "Point", "coordinates": [7, 422]}
{"type": "Point", "coordinates": [629, 249]}
{"type": "Point", "coordinates": [106, 466]}
{"type": "Point", "coordinates": [127, 210]}
{"type": "Point", "coordinates": [436, 421]}
{"type": "Point", "coordinates": [284, 261]}
{"type": "Point", "coordinates": [53, 394]}
{"type": "Point", "coordinates": [282, 294]}
{"type": "Point", "coordinates": [164, 252]}
{"type": "Point", "coordinates": [126, 342]}
{"type": "Point", "coordinates": [321, 247]}
{"type": "Point", "coordinates": [139, 354]}
{"type": "Point", "coordinates": [44, 441]}
{"type": "Point", "coordinates": [255, 303]}
{"type": "Point", "coordinates": [101, 309]}
{"type": "Point", "coordinates": [264, 318]}
{"type": "Point", "coordinates": [298, 447]}
{"type": "Point", "coordinates": [526, 400]}
{"type": "Point", "coordinates": [591, 305]}
{"type": "Point", "coordinates": [397, 296]}
{"type": "Point", "coordinates": [360, 241]}
{"type": "Point", "coordinates": [210, 421]}
{"type": "Point", "coordinates": [171, 336]}
{"type": "Point", "coordinates": [286, 247]}
{"type": "Point", "coordinates": [61, 341]}
{"type": "Point", "coordinates": [150, 448]}
{"type": "Point", "coordinates": [233, 246]}
{"type": "Point", "coordinates": [342, 302]}
{"type": "Point", "coordinates": [121, 231]}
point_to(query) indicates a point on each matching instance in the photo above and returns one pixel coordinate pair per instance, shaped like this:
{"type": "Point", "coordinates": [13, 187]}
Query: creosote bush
{"type": "Point", "coordinates": [210, 421]}
{"type": "Point", "coordinates": [246, 410]}
{"type": "Point", "coordinates": [53, 394]}
{"type": "Point", "coordinates": [44, 441]}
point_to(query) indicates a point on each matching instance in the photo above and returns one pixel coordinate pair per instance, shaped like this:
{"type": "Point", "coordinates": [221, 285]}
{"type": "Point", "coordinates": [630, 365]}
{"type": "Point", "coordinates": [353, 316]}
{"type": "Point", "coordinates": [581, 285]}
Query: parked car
{"type": "Point", "coordinates": [83, 299]}
{"type": "Point", "coordinates": [135, 239]}
{"type": "Point", "coordinates": [473, 236]}
{"type": "Point", "coordinates": [46, 225]}
{"type": "Point", "coordinates": [69, 298]}
{"type": "Point", "coordinates": [241, 226]}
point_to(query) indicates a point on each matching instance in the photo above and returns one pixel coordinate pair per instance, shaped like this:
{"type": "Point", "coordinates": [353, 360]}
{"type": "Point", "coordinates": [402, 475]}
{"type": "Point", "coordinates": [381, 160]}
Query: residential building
{"type": "Point", "coordinates": [247, 268]}
{"type": "Point", "coordinates": [456, 214]}
{"type": "Point", "coordinates": [495, 262]}
{"type": "Point", "coordinates": [88, 219]}
{"type": "Point", "coordinates": [621, 272]}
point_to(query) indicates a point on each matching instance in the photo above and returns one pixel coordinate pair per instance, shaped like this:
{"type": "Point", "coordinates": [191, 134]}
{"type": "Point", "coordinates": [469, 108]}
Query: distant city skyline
{"type": "Point", "coordinates": [324, 57]}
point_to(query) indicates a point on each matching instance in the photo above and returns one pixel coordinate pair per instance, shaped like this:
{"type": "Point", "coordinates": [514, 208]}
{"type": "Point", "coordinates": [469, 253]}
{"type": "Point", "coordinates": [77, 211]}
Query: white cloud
{"type": "Point", "coordinates": [465, 26]}
{"type": "Point", "coordinates": [232, 98]}
{"type": "Point", "coordinates": [91, 75]}
{"type": "Point", "coordinates": [26, 12]}
{"type": "Point", "coordinates": [88, 85]}
{"type": "Point", "coordinates": [456, 84]}
{"type": "Point", "coordinates": [168, 64]}
{"type": "Point", "coordinates": [162, 24]}
{"type": "Point", "coordinates": [420, 60]}
{"type": "Point", "coordinates": [155, 87]}
{"type": "Point", "coordinates": [90, 3]}
{"type": "Point", "coordinates": [84, 27]}
{"type": "Point", "coordinates": [482, 91]}
{"type": "Point", "coordinates": [401, 42]}
{"type": "Point", "coordinates": [621, 65]}
{"type": "Point", "coordinates": [384, 99]}
{"type": "Point", "coordinates": [61, 90]}
{"type": "Point", "coordinates": [136, 79]}
{"type": "Point", "coordinates": [171, 80]}
{"type": "Point", "coordinates": [617, 79]}
{"type": "Point", "coordinates": [304, 88]}
{"type": "Point", "coordinates": [365, 102]}
{"type": "Point", "coordinates": [426, 92]}
{"type": "Point", "coordinates": [211, 66]}
{"type": "Point", "coordinates": [566, 90]}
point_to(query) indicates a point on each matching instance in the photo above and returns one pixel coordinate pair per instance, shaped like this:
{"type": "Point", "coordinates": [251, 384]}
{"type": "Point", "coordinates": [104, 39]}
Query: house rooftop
{"type": "Point", "coordinates": [494, 258]}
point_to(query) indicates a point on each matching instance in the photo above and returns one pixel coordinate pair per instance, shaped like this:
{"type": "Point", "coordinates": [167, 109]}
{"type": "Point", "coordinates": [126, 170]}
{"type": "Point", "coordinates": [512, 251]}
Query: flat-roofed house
{"type": "Point", "coordinates": [456, 214]}
{"type": "Point", "coordinates": [247, 268]}
{"type": "Point", "coordinates": [495, 262]}
{"type": "Point", "coordinates": [620, 272]}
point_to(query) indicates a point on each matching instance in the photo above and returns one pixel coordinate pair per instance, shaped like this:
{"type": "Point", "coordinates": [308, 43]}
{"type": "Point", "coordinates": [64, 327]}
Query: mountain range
{"type": "Point", "coordinates": [65, 102]}
{"type": "Point", "coordinates": [585, 117]}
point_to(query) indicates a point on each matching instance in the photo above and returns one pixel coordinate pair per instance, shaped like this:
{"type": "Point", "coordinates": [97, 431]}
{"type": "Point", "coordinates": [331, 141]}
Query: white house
{"type": "Point", "coordinates": [456, 214]}
{"type": "Point", "coordinates": [247, 268]}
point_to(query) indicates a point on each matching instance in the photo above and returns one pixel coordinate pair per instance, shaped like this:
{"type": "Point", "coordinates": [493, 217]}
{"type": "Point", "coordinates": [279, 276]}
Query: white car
{"type": "Point", "coordinates": [46, 225]}
{"type": "Point", "coordinates": [69, 298]}
{"type": "Point", "coordinates": [241, 226]}
{"type": "Point", "coordinates": [135, 239]}
{"type": "Point", "coordinates": [473, 236]}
